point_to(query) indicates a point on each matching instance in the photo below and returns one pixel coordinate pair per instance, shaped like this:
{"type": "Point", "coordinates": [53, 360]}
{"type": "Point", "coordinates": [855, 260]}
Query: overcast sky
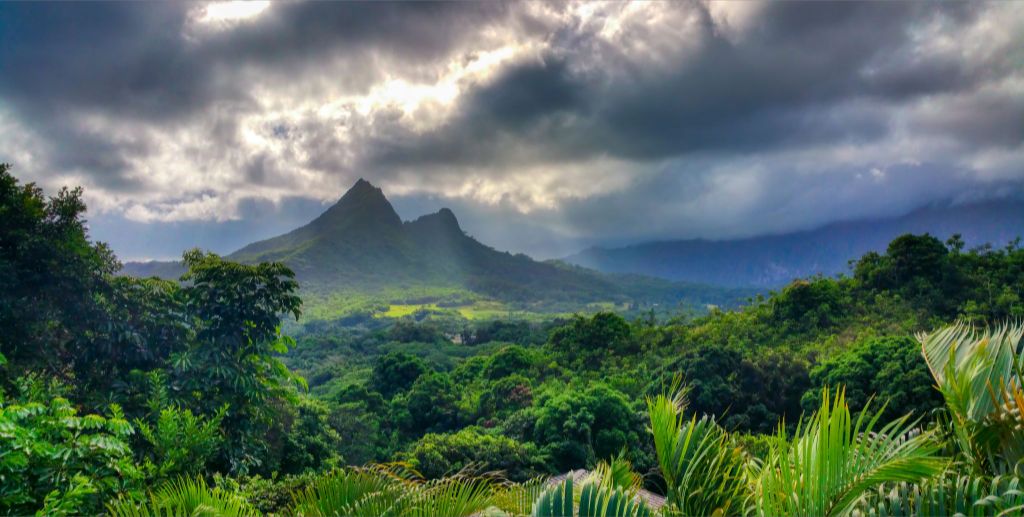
{"type": "Point", "coordinates": [545, 126]}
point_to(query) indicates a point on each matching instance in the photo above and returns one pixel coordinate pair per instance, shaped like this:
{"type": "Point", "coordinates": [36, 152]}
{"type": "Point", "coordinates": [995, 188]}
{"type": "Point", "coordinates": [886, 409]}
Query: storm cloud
{"type": "Point", "coordinates": [544, 125]}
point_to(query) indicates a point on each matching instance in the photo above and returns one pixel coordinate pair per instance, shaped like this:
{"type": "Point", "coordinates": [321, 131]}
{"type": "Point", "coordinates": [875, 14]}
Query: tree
{"type": "Point", "coordinates": [586, 341]}
{"type": "Point", "coordinates": [49, 276]}
{"type": "Point", "coordinates": [431, 402]}
{"type": "Point", "coordinates": [310, 443]}
{"type": "Point", "coordinates": [395, 372]}
{"type": "Point", "coordinates": [577, 427]}
{"type": "Point", "coordinates": [236, 310]}
{"type": "Point", "coordinates": [888, 368]}
{"type": "Point", "coordinates": [505, 395]}
{"type": "Point", "coordinates": [437, 455]}
{"type": "Point", "coordinates": [507, 361]}
{"type": "Point", "coordinates": [919, 269]}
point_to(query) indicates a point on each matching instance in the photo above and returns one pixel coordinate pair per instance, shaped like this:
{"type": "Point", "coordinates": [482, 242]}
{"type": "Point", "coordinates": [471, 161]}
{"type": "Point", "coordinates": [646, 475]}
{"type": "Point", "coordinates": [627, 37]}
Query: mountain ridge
{"type": "Point", "coordinates": [770, 261]}
{"type": "Point", "coordinates": [361, 246]}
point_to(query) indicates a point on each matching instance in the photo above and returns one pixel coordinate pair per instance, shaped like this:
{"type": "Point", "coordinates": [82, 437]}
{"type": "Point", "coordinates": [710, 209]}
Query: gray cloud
{"type": "Point", "coordinates": [547, 125]}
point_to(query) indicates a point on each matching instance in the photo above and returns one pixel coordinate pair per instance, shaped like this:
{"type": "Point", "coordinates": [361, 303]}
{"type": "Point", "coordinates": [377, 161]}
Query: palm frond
{"type": "Point", "coordinates": [518, 498]}
{"type": "Point", "coordinates": [456, 496]}
{"type": "Point", "coordinates": [617, 472]}
{"type": "Point", "coordinates": [833, 461]}
{"type": "Point", "coordinates": [184, 497]}
{"type": "Point", "coordinates": [979, 374]}
{"type": "Point", "coordinates": [704, 471]}
{"type": "Point", "coordinates": [969, 496]}
{"type": "Point", "coordinates": [353, 491]}
{"type": "Point", "coordinates": [594, 501]}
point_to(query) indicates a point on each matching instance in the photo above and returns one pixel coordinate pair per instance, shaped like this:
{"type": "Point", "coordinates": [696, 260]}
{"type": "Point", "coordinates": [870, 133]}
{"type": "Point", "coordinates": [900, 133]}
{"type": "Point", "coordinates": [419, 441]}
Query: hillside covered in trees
{"type": "Point", "coordinates": [833, 396]}
{"type": "Point", "coordinates": [359, 258]}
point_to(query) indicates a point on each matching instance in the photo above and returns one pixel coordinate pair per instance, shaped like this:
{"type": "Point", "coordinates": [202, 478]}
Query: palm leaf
{"type": "Point", "coordinates": [594, 501]}
{"type": "Point", "coordinates": [704, 470]}
{"type": "Point", "coordinates": [833, 461]}
{"type": "Point", "coordinates": [947, 496]}
{"type": "Point", "coordinates": [184, 497]}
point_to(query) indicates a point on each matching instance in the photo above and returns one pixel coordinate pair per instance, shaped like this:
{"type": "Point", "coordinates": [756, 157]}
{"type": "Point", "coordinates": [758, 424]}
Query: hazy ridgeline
{"type": "Point", "coordinates": [459, 393]}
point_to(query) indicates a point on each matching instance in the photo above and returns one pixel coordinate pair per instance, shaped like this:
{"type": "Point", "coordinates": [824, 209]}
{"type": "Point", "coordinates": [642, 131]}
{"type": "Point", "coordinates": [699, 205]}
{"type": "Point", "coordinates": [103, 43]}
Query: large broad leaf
{"type": "Point", "coordinates": [988, 359]}
{"type": "Point", "coordinates": [980, 376]}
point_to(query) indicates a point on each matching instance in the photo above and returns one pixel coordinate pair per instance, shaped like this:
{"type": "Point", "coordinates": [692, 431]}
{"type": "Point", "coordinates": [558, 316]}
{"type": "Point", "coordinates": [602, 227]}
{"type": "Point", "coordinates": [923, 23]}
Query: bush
{"type": "Point", "coordinates": [889, 368]}
{"type": "Point", "coordinates": [436, 455]}
{"type": "Point", "coordinates": [56, 462]}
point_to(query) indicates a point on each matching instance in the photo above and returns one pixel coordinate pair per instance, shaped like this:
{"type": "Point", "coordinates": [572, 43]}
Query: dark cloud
{"type": "Point", "coordinates": [776, 86]}
{"type": "Point", "coordinates": [610, 122]}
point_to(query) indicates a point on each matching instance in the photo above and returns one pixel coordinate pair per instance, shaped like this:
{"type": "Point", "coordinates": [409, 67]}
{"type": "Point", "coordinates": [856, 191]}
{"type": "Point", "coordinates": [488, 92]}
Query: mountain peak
{"type": "Point", "coordinates": [447, 217]}
{"type": "Point", "coordinates": [441, 221]}
{"type": "Point", "coordinates": [362, 205]}
{"type": "Point", "coordinates": [362, 189]}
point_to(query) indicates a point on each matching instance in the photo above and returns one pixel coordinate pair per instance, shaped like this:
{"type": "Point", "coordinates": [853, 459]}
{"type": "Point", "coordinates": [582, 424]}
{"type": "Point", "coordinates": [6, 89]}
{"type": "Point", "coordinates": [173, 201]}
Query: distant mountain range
{"type": "Point", "coordinates": [361, 246]}
{"type": "Point", "coordinates": [774, 260]}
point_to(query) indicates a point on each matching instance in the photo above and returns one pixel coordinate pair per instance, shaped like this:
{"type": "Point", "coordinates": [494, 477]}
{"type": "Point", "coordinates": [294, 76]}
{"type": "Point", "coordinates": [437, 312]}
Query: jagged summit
{"type": "Point", "coordinates": [443, 219]}
{"type": "Point", "coordinates": [361, 243]}
{"type": "Point", "coordinates": [360, 246]}
{"type": "Point", "coordinates": [362, 205]}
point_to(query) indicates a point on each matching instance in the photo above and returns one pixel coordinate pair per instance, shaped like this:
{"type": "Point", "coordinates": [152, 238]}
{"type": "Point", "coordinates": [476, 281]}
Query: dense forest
{"type": "Point", "coordinates": [893, 390]}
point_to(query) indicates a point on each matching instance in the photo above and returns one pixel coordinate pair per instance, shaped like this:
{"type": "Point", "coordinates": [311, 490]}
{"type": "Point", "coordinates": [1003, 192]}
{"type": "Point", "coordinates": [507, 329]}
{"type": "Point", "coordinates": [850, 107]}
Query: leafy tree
{"type": "Point", "coordinates": [310, 442]}
{"type": "Point", "coordinates": [586, 341]}
{"type": "Point", "coordinates": [431, 402]}
{"type": "Point", "coordinates": [235, 312]}
{"type": "Point", "coordinates": [507, 361]}
{"type": "Point", "coordinates": [49, 276]}
{"type": "Point", "coordinates": [889, 368]}
{"type": "Point", "coordinates": [359, 430]}
{"type": "Point", "coordinates": [576, 427]}
{"type": "Point", "coordinates": [57, 462]}
{"type": "Point", "coordinates": [917, 267]}
{"type": "Point", "coordinates": [505, 395]}
{"type": "Point", "coordinates": [395, 372]}
{"type": "Point", "coordinates": [808, 305]}
{"type": "Point", "coordinates": [437, 455]}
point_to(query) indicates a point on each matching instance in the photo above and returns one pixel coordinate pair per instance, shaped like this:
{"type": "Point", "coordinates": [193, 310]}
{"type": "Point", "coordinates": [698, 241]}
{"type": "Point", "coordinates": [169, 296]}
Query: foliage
{"type": "Point", "coordinates": [59, 462]}
{"type": "Point", "coordinates": [507, 361]}
{"type": "Point", "coordinates": [49, 276]}
{"type": "Point", "coordinates": [179, 444]}
{"type": "Point", "coordinates": [889, 368]}
{"type": "Point", "coordinates": [586, 340]}
{"type": "Point", "coordinates": [980, 376]}
{"type": "Point", "coordinates": [578, 426]}
{"type": "Point", "coordinates": [184, 496]}
{"type": "Point", "coordinates": [949, 495]}
{"type": "Point", "coordinates": [704, 471]}
{"type": "Point", "coordinates": [749, 393]}
{"type": "Point", "coordinates": [309, 440]}
{"type": "Point", "coordinates": [594, 501]}
{"type": "Point", "coordinates": [437, 455]}
{"type": "Point", "coordinates": [431, 402]}
{"type": "Point", "coordinates": [395, 372]}
{"type": "Point", "coordinates": [833, 461]}
{"type": "Point", "coordinates": [385, 490]}
{"type": "Point", "coordinates": [505, 395]}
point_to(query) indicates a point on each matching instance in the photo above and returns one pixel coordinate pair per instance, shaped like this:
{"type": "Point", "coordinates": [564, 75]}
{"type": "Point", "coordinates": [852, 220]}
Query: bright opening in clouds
{"type": "Point", "coordinates": [221, 12]}
{"type": "Point", "coordinates": [546, 126]}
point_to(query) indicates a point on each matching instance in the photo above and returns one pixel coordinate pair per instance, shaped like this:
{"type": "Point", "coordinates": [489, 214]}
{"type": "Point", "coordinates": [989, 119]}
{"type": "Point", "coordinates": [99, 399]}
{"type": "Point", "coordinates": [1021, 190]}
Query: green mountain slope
{"type": "Point", "coordinates": [360, 249]}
